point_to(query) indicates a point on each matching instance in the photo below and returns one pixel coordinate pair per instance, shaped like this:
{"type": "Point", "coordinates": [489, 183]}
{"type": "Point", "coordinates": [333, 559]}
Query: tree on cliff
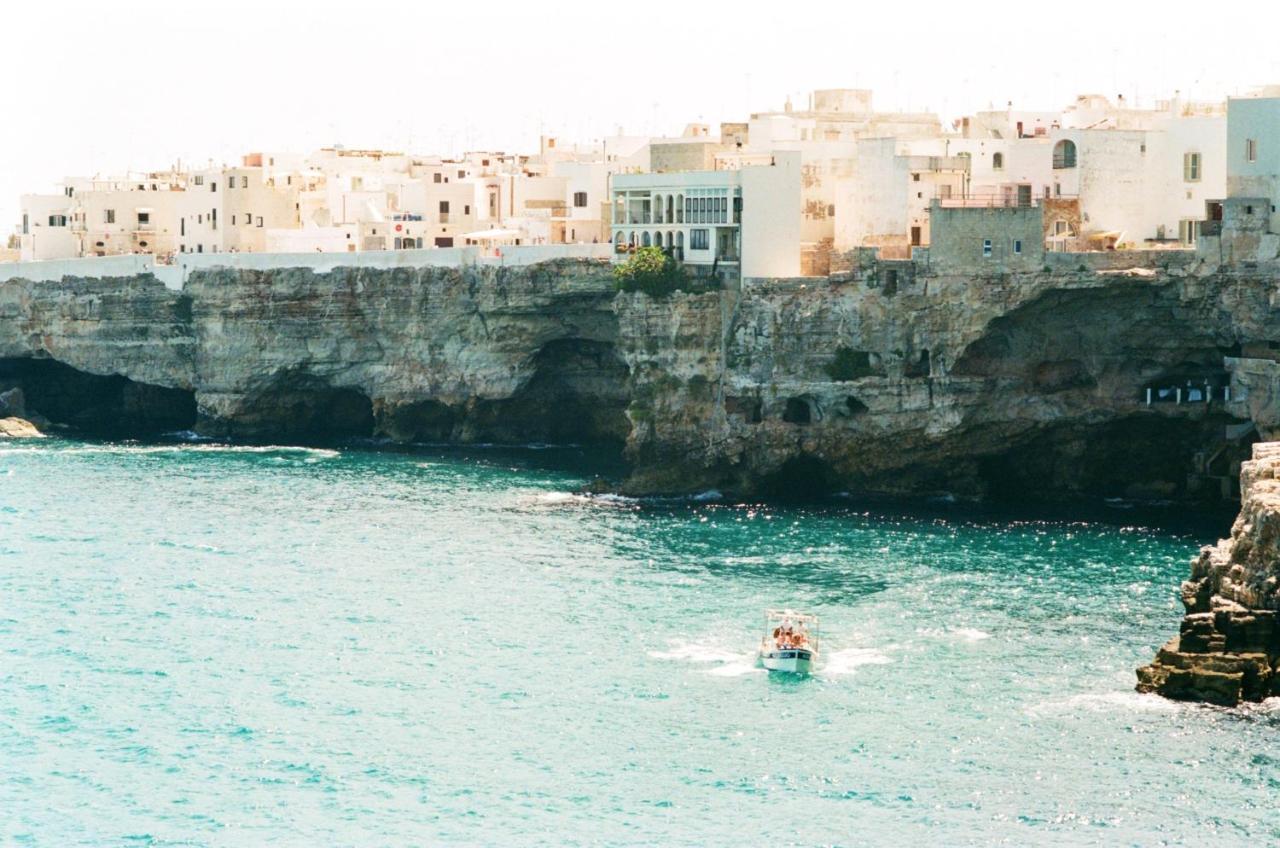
{"type": "Point", "coordinates": [651, 271]}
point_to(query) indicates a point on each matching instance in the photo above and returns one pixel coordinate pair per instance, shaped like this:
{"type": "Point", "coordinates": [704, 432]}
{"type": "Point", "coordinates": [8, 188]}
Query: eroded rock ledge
{"type": "Point", "coordinates": [1228, 648]}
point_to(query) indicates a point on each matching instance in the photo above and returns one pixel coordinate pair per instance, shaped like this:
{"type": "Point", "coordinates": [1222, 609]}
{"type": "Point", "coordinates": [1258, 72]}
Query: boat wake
{"type": "Point", "coordinates": [726, 663]}
{"type": "Point", "coordinates": [849, 660]}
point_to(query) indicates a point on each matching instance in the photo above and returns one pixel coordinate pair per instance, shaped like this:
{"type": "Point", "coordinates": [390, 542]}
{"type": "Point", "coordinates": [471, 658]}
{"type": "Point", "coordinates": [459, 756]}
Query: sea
{"type": "Point", "coordinates": [213, 645]}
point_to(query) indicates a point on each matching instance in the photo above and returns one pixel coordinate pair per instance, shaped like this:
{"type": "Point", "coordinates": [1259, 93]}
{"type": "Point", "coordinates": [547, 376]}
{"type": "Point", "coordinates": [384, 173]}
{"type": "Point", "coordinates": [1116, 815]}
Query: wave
{"type": "Point", "coordinates": [1100, 702]}
{"type": "Point", "coordinates": [139, 450]}
{"type": "Point", "coordinates": [581, 499]}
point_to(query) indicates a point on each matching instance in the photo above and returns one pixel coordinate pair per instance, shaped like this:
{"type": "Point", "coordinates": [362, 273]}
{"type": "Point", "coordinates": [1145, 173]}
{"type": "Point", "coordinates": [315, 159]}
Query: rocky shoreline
{"type": "Point", "coordinates": [1228, 647]}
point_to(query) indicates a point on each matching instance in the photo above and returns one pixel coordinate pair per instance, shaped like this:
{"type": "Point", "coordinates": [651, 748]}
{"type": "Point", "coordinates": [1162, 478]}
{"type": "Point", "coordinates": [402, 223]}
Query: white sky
{"type": "Point", "coordinates": [103, 86]}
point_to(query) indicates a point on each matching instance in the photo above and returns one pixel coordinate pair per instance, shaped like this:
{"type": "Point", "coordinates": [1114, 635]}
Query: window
{"type": "Point", "coordinates": [57, 220]}
{"type": "Point", "coordinates": [248, 219]}
{"type": "Point", "coordinates": [946, 191]}
{"type": "Point", "coordinates": [182, 226]}
{"type": "Point", "coordinates": [259, 220]}
{"type": "Point", "coordinates": [1064, 154]}
{"type": "Point", "coordinates": [108, 216]}
{"type": "Point", "coordinates": [986, 248]}
{"type": "Point", "coordinates": [580, 199]}
{"type": "Point", "coordinates": [915, 178]}
{"type": "Point", "coordinates": [144, 217]}
{"type": "Point", "coordinates": [233, 220]}
{"type": "Point", "coordinates": [466, 210]}
{"type": "Point", "coordinates": [26, 224]}
{"type": "Point", "coordinates": [997, 161]}
{"type": "Point", "coordinates": [231, 182]}
{"type": "Point", "coordinates": [199, 179]}
{"type": "Point", "coordinates": [444, 207]}
{"type": "Point", "coordinates": [1191, 167]}
{"type": "Point", "coordinates": [213, 185]}
{"type": "Point", "coordinates": [244, 182]}
{"type": "Point", "coordinates": [1251, 150]}
{"type": "Point", "coordinates": [461, 175]}
{"type": "Point", "coordinates": [1017, 247]}
{"type": "Point", "coordinates": [699, 239]}
{"type": "Point", "coordinates": [437, 177]}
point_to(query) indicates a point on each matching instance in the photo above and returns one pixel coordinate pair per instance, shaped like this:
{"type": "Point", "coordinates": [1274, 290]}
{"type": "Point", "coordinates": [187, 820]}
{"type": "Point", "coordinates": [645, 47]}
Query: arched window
{"type": "Point", "coordinates": [997, 161]}
{"type": "Point", "coordinates": [645, 241]}
{"type": "Point", "coordinates": [1064, 154]}
{"type": "Point", "coordinates": [679, 208]}
{"type": "Point", "coordinates": [657, 209]}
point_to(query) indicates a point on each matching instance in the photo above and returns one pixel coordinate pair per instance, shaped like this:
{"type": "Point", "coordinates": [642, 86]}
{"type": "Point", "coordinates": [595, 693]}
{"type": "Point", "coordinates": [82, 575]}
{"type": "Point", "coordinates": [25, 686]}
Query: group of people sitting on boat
{"type": "Point", "coordinates": [786, 636]}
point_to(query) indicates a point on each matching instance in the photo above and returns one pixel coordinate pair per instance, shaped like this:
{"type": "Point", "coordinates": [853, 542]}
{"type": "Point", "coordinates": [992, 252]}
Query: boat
{"type": "Point", "coordinates": [790, 641]}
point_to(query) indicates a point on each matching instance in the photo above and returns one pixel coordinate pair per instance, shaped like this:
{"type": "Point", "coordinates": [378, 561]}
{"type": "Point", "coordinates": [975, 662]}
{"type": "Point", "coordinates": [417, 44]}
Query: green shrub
{"type": "Point", "coordinates": [850, 364]}
{"type": "Point", "coordinates": [651, 271]}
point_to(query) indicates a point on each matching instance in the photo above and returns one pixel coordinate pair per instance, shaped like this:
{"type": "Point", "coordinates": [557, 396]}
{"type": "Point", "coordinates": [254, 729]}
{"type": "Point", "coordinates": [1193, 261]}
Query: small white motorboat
{"type": "Point", "coordinates": [790, 641]}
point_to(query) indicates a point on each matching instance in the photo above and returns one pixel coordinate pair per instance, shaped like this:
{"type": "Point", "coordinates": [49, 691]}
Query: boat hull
{"type": "Point", "coordinates": [788, 660]}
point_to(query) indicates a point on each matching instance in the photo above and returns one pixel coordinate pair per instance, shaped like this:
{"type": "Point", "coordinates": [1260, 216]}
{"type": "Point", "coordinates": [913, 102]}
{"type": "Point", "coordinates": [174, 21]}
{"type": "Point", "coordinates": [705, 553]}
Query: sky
{"type": "Point", "coordinates": [106, 87]}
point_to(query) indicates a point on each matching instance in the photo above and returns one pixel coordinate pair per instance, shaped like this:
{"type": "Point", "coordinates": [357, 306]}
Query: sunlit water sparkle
{"type": "Point", "coordinates": [202, 645]}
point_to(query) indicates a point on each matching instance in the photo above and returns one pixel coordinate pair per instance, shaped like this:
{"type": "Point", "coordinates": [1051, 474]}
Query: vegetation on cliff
{"type": "Point", "coordinates": [652, 271]}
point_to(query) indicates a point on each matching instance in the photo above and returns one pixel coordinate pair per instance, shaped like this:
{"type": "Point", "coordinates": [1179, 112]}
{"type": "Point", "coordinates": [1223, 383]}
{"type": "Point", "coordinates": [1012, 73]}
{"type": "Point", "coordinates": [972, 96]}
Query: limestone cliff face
{"type": "Point", "coordinates": [910, 383]}
{"type": "Point", "coordinates": [426, 354]}
{"type": "Point", "coordinates": [1229, 645]}
{"type": "Point", "coordinates": [413, 354]}
{"type": "Point", "coordinates": [109, 357]}
{"type": "Point", "coordinates": [893, 378]}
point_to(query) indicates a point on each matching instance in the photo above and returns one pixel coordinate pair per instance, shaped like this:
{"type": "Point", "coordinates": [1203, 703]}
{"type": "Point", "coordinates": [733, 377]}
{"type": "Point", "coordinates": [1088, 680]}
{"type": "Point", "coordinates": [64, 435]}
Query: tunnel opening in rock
{"type": "Point", "coordinates": [577, 394]}
{"type": "Point", "coordinates": [801, 478]}
{"type": "Point", "coordinates": [799, 410]}
{"type": "Point", "coordinates": [853, 406]}
{"type": "Point", "coordinates": [109, 406]}
{"type": "Point", "coordinates": [300, 409]}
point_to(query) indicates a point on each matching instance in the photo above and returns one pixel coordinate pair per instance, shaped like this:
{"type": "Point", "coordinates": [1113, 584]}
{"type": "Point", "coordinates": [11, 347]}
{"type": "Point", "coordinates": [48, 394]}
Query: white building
{"type": "Point", "coordinates": [1253, 149]}
{"type": "Point", "coordinates": [730, 222]}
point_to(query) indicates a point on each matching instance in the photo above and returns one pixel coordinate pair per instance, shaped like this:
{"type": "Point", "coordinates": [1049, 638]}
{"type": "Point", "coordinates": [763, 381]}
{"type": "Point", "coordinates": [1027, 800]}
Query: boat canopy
{"type": "Point", "coordinates": [790, 615]}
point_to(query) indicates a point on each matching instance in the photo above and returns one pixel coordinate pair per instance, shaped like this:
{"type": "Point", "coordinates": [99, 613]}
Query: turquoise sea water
{"type": "Point", "coordinates": [243, 646]}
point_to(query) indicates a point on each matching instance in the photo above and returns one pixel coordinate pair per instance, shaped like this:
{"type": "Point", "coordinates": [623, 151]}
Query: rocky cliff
{"type": "Point", "coordinates": [900, 381]}
{"type": "Point", "coordinates": [891, 378]}
{"type": "Point", "coordinates": [1228, 648]}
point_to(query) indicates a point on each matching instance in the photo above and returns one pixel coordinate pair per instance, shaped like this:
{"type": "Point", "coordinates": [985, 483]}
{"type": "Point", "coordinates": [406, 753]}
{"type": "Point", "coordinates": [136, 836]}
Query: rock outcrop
{"type": "Point", "coordinates": [1228, 647]}
{"type": "Point", "coordinates": [18, 428]}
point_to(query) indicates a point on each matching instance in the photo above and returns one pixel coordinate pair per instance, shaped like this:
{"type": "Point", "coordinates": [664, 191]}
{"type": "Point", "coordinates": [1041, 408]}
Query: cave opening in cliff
{"type": "Point", "coordinates": [300, 409]}
{"type": "Point", "coordinates": [801, 478]}
{"type": "Point", "coordinates": [1142, 458]}
{"type": "Point", "coordinates": [577, 394]}
{"type": "Point", "coordinates": [109, 406]}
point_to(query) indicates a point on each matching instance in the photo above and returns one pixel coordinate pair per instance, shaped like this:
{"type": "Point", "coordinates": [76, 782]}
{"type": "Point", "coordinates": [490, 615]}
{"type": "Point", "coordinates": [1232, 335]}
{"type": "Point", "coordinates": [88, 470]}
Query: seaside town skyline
{"type": "Point", "coordinates": [443, 95]}
{"type": "Point", "coordinates": [828, 173]}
